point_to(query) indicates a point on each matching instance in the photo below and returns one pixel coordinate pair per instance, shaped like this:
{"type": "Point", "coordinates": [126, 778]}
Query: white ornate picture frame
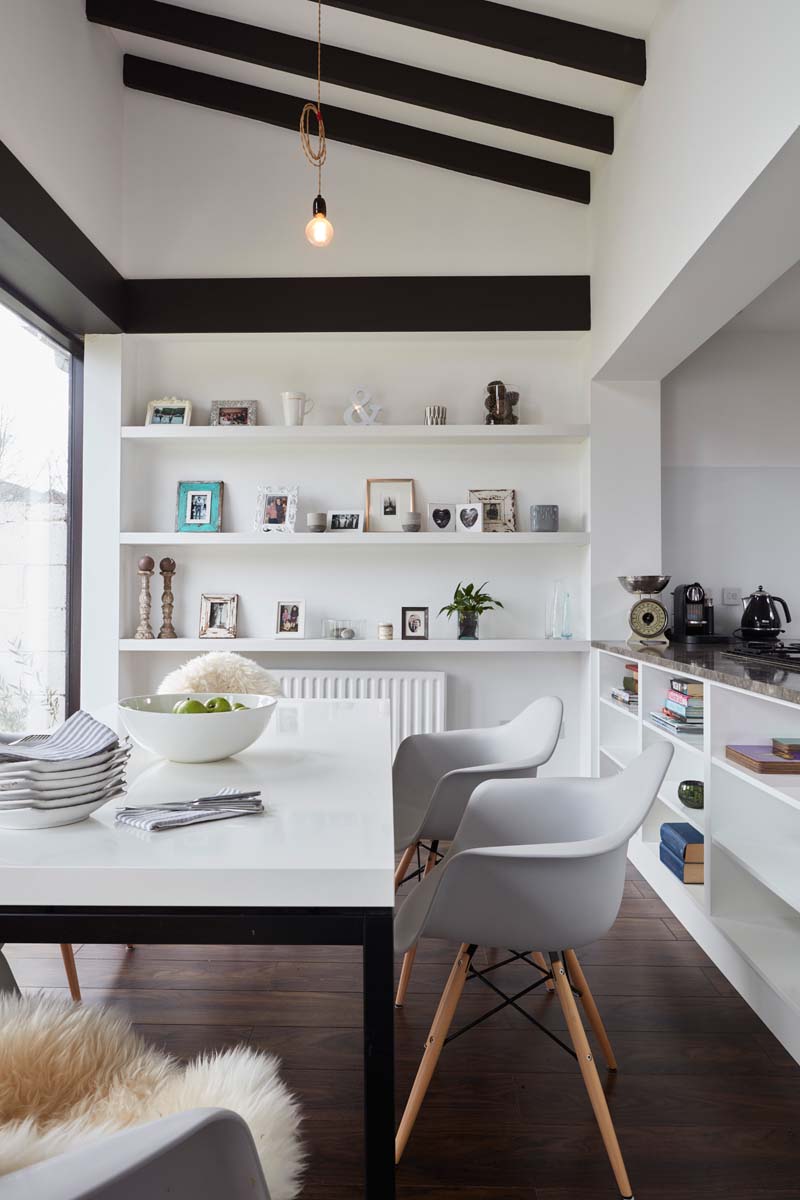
{"type": "Point", "coordinates": [276, 510]}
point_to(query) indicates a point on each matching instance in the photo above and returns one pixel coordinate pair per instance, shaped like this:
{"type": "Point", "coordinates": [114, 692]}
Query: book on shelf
{"type": "Point", "coordinates": [687, 872]}
{"type": "Point", "coordinates": [687, 688]}
{"type": "Point", "coordinates": [690, 702]}
{"type": "Point", "coordinates": [786, 747]}
{"type": "Point", "coordinates": [762, 760]}
{"type": "Point", "coordinates": [683, 840]}
{"type": "Point", "coordinates": [673, 725]}
{"type": "Point", "coordinates": [629, 699]}
{"type": "Point", "coordinates": [671, 709]}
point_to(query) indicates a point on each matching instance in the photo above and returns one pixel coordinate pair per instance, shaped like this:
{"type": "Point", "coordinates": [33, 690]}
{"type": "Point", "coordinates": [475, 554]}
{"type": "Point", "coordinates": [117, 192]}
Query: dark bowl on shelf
{"type": "Point", "coordinates": [691, 793]}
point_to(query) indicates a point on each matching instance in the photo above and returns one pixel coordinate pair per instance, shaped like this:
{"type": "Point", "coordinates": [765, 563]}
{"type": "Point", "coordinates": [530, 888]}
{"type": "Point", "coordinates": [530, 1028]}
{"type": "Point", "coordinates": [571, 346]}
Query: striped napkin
{"type": "Point", "coordinates": [79, 737]}
{"type": "Point", "coordinates": [193, 812]}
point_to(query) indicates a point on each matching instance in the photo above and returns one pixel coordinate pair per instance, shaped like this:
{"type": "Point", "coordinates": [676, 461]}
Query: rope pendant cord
{"type": "Point", "coordinates": [315, 157]}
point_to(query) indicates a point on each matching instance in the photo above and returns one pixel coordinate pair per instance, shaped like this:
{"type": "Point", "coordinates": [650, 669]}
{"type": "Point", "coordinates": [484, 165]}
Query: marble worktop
{"type": "Point", "coordinates": [712, 663]}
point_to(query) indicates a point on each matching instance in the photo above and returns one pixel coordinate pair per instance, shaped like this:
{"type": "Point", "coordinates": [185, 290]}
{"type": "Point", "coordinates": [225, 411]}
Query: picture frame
{"type": "Point", "coordinates": [218, 615]}
{"type": "Point", "coordinates": [231, 413]}
{"type": "Point", "coordinates": [199, 506]}
{"type": "Point", "coordinates": [414, 624]}
{"type": "Point", "coordinates": [345, 520]}
{"type": "Point", "coordinates": [469, 517]}
{"type": "Point", "coordinates": [290, 619]}
{"type": "Point", "coordinates": [169, 410]}
{"type": "Point", "coordinates": [388, 500]}
{"type": "Point", "coordinates": [442, 517]}
{"type": "Point", "coordinates": [276, 508]}
{"type": "Point", "coordinates": [499, 508]}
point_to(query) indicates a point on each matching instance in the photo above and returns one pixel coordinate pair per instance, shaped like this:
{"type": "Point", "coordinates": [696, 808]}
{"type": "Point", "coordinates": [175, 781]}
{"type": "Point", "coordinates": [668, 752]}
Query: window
{"type": "Point", "coordinates": [35, 522]}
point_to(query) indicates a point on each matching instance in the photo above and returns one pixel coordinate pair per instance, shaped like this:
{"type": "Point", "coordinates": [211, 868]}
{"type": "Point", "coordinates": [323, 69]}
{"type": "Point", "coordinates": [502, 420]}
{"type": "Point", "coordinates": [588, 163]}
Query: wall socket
{"type": "Point", "coordinates": [731, 595]}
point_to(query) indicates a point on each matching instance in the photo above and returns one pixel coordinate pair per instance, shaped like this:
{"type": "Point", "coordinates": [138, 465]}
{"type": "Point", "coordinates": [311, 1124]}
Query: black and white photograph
{"type": "Point", "coordinates": [388, 503]}
{"type": "Point", "coordinates": [242, 412]}
{"type": "Point", "coordinates": [442, 517]}
{"type": "Point", "coordinates": [499, 508]}
{"type": "Point", "coordinates": [346, 520]}
{"type": "Point", "coordinates": [469, 517]}
{"type": "Point", "coordinates": [276, 511]}
{"type": "Point", "coordinates": [218, 615]}
{"type": "Point", "coordinates": [169, 411]}
{"type": "Point", "coordinates": [414, 624]}
{"type": "Point", "coordinates": [290, 619]}
{"type": "Point", "coordinates": [199, 506]}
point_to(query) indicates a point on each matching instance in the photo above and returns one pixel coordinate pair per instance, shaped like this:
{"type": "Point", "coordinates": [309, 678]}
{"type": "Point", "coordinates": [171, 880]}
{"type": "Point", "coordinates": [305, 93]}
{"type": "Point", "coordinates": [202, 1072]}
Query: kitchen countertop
{"type": "Point", "coordinates": [711, 662]}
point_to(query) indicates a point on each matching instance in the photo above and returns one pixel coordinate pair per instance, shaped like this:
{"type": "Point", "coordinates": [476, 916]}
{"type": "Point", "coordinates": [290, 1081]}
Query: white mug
{"type": "Point", "coordinates": [295, 407]}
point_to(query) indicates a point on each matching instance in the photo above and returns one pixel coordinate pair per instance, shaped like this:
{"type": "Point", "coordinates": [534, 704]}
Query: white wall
{"type": "Point", "coordinates": [722, 97]}
{"type": "Point", "coordinates": [212, 194]}
{"type": "Point", "coordinates": [731, 468]}
{"type": "Point", "coordinates": [61, 110]}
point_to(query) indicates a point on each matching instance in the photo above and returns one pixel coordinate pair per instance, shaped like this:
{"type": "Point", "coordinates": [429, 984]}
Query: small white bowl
{"type": "Point", "coordinates": [196, 737]}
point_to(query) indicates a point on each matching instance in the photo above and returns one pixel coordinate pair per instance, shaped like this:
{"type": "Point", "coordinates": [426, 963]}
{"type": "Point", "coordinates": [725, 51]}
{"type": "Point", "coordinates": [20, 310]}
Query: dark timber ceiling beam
{"type": "Point", "coordinates": [518, 31]}
{"type": "Point", "coordinates": [362, 72]}
{"type": "Point", "coordinates": [359, 129]}
{"type": "Point", "coordinates": [373, 304]}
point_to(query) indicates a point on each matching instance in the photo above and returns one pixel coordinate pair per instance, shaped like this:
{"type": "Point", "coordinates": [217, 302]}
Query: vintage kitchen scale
{"type": "Point", "coordinates": [648, 618]}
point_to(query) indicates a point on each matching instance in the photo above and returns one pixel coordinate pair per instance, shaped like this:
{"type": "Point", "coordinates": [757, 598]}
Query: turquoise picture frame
{"type": "Point", "coordinates": [199, 506]}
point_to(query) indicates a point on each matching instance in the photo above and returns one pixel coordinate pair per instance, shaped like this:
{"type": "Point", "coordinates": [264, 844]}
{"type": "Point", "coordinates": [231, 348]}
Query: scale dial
{"type": "Point", "coordinates": [648, 618]}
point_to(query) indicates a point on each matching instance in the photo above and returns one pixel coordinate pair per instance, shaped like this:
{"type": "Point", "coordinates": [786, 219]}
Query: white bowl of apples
{"type": "Point", "coordinates": [197, 727]}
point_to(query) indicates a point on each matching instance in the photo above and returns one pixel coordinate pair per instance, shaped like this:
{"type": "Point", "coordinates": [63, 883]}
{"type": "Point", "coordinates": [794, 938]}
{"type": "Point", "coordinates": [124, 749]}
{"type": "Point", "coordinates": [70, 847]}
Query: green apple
{"type": "Point", "coordinates": [190, 706]}
{"type": "Point", "coordinates": [218, 704]}
{"type": "Point", "coordinates": [238, 705]}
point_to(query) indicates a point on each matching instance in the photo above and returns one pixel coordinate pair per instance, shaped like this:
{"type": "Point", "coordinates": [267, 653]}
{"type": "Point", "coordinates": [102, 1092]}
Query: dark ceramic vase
{"type": "Point", "coordinates": [468, 626]}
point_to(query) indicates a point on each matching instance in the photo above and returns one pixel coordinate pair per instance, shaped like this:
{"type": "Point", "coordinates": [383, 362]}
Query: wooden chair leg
{"type": "Point", "coordinates": [433, 1047]}
{"type": "Point", "coordinates": [590, 1077]}
{"type": "Point", "coordinates": [403, 865]}
{"type": "Point", "coordinates": [590, 1008]}
{"type": "Point", "coordinates": [539, 959]}
{"type": "Point", "coordinates": [410, 955]}
{"type": "Point", "coordinates": [68, 956]}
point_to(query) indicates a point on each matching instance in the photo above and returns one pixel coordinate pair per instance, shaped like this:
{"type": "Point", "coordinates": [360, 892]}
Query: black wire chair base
{"type": "Point", "coordinates": [419, 870]}
{"type": "Point", "coordinates": [511, 1001]}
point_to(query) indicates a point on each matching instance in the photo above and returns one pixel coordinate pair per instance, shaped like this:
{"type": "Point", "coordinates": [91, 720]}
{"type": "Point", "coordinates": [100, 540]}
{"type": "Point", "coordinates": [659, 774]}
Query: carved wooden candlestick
{"type": "Point", "coordinates": [146, 568]}
{"type": "Point", "coordinates": [167, 569]}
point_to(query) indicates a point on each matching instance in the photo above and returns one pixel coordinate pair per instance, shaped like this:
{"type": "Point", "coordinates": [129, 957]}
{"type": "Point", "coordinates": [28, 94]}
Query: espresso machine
{"type": "Point", "coordinates": [693, 617]}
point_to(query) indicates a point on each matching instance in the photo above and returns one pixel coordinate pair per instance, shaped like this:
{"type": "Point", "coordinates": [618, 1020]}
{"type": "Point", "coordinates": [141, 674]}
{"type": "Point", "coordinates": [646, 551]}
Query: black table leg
{"type": "Point", "coordinates": [379, 1127]}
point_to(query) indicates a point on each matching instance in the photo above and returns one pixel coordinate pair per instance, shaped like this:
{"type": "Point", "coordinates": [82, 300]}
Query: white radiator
{"type": "Point", "coordinates": [418, 698]}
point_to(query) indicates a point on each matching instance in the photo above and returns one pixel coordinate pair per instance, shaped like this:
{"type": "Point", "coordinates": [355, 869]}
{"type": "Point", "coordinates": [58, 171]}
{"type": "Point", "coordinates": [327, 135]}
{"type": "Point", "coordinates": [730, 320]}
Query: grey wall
{"type": "Point", "coordinates": [731, 468]}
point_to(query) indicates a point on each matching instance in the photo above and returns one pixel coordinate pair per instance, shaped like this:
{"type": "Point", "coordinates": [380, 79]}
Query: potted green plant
{"type": "Point", "coordinates": [469, 601]}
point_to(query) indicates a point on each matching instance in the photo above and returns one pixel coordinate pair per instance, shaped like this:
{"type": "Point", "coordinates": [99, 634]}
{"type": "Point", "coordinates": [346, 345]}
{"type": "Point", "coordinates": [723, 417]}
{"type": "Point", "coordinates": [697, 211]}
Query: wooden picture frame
{"type": "Point", "coordinates": [218, 615]}
{"type": "Point", "coordinates": [499, 508]}
{"type": "Point", "coordinates": [199, 506]}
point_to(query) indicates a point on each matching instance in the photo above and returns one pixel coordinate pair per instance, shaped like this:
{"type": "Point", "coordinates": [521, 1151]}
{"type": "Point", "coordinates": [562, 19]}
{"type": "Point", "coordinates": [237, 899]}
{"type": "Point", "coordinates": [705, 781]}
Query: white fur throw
{"type": "Point", "coordinates": [221, 673]}
{"type": "Point", "coordinates": [72, 1074]}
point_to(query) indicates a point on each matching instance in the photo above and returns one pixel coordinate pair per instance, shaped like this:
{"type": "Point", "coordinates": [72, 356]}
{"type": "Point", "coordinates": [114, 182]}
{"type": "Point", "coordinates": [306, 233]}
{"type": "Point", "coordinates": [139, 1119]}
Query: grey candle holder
{"type": "Point", "coordinates": [544, 518]}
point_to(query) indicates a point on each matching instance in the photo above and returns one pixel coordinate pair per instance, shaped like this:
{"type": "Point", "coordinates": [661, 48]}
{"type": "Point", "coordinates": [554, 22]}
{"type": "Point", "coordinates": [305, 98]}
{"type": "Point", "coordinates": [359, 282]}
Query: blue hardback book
{"type": "Point", "coordinates": [677, 835]}
{"type": "Point", "coordinates": [686, 872]}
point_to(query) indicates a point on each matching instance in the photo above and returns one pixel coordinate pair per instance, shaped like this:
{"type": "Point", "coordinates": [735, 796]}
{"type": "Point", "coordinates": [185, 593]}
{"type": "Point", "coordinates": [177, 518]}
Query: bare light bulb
{"type": "Point", "coordinates": [319, 230]}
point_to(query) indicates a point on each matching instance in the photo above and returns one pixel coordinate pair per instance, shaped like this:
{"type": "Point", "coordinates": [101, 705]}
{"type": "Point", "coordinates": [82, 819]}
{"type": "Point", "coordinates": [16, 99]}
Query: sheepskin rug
{"type": "Point", "coordinates": [221, 673]}
{"type": "Point", "coordinates": [71, 1075]}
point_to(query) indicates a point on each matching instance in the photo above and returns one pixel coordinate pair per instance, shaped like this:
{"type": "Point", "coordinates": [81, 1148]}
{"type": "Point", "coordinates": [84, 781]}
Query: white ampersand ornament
{"type": "Point", "coordinates": [363, 410]}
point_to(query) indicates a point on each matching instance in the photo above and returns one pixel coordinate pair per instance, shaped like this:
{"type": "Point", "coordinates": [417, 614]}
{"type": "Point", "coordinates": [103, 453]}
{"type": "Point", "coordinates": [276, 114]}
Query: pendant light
{"type": "Point", "coordinates": [319, 230]}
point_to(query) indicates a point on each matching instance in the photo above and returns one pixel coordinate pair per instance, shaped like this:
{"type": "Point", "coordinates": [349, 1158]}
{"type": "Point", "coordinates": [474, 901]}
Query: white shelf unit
{"type": "Point", "coordinates": [364, 541]}
{"type": "Point", "coordinates": [361, 437]}
{"type": "Point", "coordinates": [357, 646]}
{"type": "Point", "coordinates": [132, 471]}
{"type": "Point", "coordinates": [747, 914]}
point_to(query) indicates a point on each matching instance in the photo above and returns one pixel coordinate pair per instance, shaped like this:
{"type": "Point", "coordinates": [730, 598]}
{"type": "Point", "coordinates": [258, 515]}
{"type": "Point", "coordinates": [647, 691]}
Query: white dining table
{"type": "Point", "coordinates": [317, 868]}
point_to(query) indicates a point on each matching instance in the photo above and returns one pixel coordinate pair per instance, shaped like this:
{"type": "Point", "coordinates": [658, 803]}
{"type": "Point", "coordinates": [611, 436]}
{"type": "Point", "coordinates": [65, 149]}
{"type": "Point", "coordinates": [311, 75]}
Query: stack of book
{"type": "Point", "coordinates": [682, 712]}
{"type": "Point", "coordinates": [628, 694]}
{"type": "Point", "coordinates": [682, 850]}
{"type": "Point", "coordinates": [765, 760]}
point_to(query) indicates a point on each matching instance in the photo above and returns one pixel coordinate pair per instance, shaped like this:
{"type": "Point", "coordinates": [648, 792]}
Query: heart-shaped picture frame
{"type": "Point", "coordinates": [442, 517]}
{"type": "Point", "coordinates": [468, 516]}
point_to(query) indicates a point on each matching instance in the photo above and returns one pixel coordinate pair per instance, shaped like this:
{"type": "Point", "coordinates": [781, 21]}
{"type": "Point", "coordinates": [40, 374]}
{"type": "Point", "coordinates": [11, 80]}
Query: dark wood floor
{"type": "Point", "coordinates": [706, 1102]}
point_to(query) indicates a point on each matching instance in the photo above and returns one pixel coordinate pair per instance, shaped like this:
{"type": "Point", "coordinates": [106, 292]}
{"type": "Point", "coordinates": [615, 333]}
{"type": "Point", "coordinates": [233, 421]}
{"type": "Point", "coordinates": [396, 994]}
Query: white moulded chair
{"type": "Point", "coordinates": [436, 773]}
{"type": "Point", "coordinates": [206, 1153]}
{"type": "Point", "coordinates": [534, 863]}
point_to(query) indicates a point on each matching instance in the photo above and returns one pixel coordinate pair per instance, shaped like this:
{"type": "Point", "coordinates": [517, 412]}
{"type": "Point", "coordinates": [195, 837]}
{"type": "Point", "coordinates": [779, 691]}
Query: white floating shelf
{"type": "Point", "coordinates": [668, 795]}
{"type": "Point", "coordinates": [772, 950]}
{"type": "Point", "coordinates": [621, 756]}
{"type": "Point", "coordinates": [360, 645]}
{"type": "Point", "coordinates": [781, 787]}
{"type": "Point", "coordinates": [618, 706]}
{"type": "Point", "coordinates": [368, 435]}
{"type": "Point", "coordinates": [773, 862]}
{"type": "Point", "coordinates": [694, 746]}
{"type": "Point", "coordinates": [364, 540]}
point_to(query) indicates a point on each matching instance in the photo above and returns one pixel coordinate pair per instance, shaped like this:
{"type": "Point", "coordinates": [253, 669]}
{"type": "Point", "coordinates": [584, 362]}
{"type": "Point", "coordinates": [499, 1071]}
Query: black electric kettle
{"type": "Point", "coordinates": [760, 619]}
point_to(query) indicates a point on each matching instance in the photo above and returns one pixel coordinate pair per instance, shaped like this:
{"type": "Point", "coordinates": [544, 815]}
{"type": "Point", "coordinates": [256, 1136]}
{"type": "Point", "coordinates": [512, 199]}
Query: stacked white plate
{"type": "Point", "coordinates": [60, 779]}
